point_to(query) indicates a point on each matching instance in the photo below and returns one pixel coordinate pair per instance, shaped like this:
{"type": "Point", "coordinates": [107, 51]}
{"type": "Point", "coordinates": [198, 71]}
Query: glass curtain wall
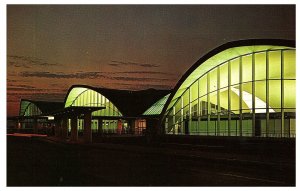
{"type": "Point", "coordinates": [91, 98]}
{"type": "Point", "coordinates": [32, 110]}
{"type": "Point", "coordinates": [84, 97]}
{"type": "Point", "coordinates": [29, 109]}
{"type": "Point", "coordinates": [249, 95]}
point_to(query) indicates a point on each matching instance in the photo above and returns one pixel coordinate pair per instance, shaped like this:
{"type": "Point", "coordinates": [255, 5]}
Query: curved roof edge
{"type": "Point", "coordinates": [85, 86]}
{"type": "Point", "coordinates": [44, 106]}
{"type": "Point", "coordinates": [223, 47]}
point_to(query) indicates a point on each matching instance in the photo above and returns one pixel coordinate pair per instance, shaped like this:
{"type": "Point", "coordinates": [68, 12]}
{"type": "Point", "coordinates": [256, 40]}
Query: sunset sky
{"type": "Point", "coordinates": [135, 47]}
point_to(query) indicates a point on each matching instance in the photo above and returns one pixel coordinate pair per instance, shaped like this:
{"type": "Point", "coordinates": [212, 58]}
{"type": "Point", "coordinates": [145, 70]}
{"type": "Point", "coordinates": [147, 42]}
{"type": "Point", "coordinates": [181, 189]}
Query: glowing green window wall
{"type": "Point", "coordinates": [157, 107]}
{"type": "Point", "coordinates": [235, 71]}
{"type": "Point", "coordinates": [85, 97]}
{"type": "Point", "coordinates": [249, 95]}
{"type": "Point", "coordinates": [247, 68]}
{"type": "Point", "coordinates": [28, 108]}
{"type": "Point", "coordinates": [289, 61]}
{"type": "Point", "coordinates": [275, 65]}
{"type": "Point", "coordinates": [32, 110]}
{"type": "Point", "coordinates": [260, 66]}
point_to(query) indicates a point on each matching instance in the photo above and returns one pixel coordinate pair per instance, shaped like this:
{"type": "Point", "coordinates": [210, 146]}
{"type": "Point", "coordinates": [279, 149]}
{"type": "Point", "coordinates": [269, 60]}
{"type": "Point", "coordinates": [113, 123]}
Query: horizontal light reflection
{"type": "Point", "coordinates": [259, 104]}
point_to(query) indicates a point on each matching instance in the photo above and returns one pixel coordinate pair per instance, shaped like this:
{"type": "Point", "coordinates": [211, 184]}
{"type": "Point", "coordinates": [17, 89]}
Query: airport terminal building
{"type": "Point", "coordinates": [89, 110]}
{"type": "Point", "coordinates": [244, 88]}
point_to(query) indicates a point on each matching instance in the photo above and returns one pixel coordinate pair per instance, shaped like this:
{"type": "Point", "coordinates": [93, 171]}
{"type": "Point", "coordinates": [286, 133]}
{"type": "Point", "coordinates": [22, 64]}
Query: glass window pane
{"type": "Point", "coordinates": [194, 109]}
{"type": "Point", "coordinates": [235, 100]}
{"type": "Point", "coordinates": [203, 105]}
{"type": "Point", "coordinates": [235, 71]}
{"type": "Point", "coordinates": [178, 105]}
{"type": "Point", "coordinates": [224, 75]}
{"type": "Point", "coordinates": [213, 103]}
{"type": "Point", "coordinates": [213, 80]}
{"type": "Point", "coordinates": [203, 86]}
{"type": "Point", "coordinates": [211, 127]}
{"type": "Point", "coordinates": [247, 68]}
{"type": "Point", "coordinates": [274, 64]}
{"type": "Point", "coordinates": [224, 101]}
{"type": "Point", "coordinates": [247, 97]}
{"type": "Point", "coordinates": [186, 97]}
{"type": "Point", "coordinates": [275, 95]}
{"type": "Point", "coordinates": [289, 93]}
{"type": "Point", "coordinates": [223, 131]}
{"type": "Point", "coordinates": [260, 97]}
{"type": "Point", "coordinates": [203, 127]}
{"type": "Point", "coordinates": [186, 112]}
{"type": "Point", "coordinates": [247, 127]}
{"type": "Point", "coordinates": [260, 66]}
{"type": "Point", "coordinates": [194, 91]}
{"type": "Point", "coordinates": [178, 118]}
{"type": "Point", "coordinates": [289, 64]}
{"type": "Point", "coordinates": [292, 127]}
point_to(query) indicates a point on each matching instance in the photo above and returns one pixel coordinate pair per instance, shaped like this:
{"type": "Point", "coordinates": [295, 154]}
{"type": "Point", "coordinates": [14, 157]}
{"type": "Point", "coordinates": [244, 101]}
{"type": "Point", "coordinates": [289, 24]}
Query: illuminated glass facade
{"type": "Point", "coordinates": [157, 107]}
{"type": "Point", "coordinates": [28, 108]}
{"type": "Point", "coordinates": [240, 91]}
{"type": "Point", "coordinates": [85, 97]}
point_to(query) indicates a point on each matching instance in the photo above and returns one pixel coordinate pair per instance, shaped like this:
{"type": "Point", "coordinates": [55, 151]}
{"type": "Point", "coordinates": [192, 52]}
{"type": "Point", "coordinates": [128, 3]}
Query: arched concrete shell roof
{"type": "Point", "coordinates": [129, 103]}
{"type": "Point", "coordinates": [44, 106]}
{"type": "Point", "coordinates": [221, 54]}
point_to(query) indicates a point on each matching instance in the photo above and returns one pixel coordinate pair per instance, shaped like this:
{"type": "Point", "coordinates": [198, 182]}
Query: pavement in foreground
{"type": "Point", "coordinates": [43, 161]}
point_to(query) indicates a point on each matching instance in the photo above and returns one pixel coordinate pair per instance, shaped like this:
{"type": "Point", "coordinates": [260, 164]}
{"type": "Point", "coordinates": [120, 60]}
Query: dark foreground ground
{"type": "Point", "coordinates": [33, 161]}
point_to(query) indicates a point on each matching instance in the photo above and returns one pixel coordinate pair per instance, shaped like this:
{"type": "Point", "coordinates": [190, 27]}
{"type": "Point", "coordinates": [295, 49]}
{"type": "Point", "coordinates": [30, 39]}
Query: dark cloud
{"type": "Point", "coordinates": [18, 65]}
{"type": "Point", "coordinates": [49, 96]}
{"type": "Point", "coordinates": [24, 89]}
{"type": "Point", "coordinates": [143, 72]}
{"type": "Point", "coordinates": [90, 75]}
{"type": "Point", "coordinates": [143, 86]}
{"type": "Point", "coordinates": [81, 75]}
{"type": "Point", "coordinates": [117, 63]}
{"type": "Point", "coordinates": [139, 79]}
{"type": "Point", "coordinates": [28, 88]}
{"type": "Point", "coordinates": [21, 86]}
{"type": "Point", "coordinates": [9, 80]}
{"type": "Point", "coordinates": [27, 62]}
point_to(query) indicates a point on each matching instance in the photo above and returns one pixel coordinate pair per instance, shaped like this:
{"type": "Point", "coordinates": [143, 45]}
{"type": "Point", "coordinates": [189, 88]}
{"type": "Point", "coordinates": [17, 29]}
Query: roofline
{"type": "Point", "coordinates": [79, 86]}
{"type": "Point", "coordinates": [223, 47]}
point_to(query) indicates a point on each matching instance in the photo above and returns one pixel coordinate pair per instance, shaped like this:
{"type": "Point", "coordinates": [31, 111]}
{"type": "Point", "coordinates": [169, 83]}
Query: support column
{"type": "Point", "coordinates": [87, 128]}
{"type": "Point", "coordinates": [35, 126]}
{"type": "Point", "coordinates": [241, 99]}
{"type": "Point", "coordinates": [132, 126]}
{"type": "Point", "coordinates": [100, 127]}
{"type": "Point", "coordinates": [74, 128]}
{"type": "Point", "coordinates": [17, 127]}
{"type": "Point", "coordinates": [64, 128]}
{"type": "Point", "coordinates": [253, 95]}
{"type": "Point", "coordinates": [57, 131]}
{"type": "Point", "coordinates": [23, 124]}
{"type": "Point", "coordinates": [153, 131]}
